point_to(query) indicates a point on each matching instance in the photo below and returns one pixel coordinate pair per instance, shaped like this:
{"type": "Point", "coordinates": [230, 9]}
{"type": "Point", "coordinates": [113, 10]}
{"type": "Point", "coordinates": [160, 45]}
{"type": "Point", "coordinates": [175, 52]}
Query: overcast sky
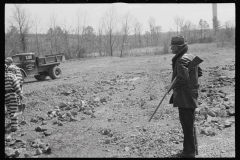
{"type": "Point", "coordinates": [163, 13]}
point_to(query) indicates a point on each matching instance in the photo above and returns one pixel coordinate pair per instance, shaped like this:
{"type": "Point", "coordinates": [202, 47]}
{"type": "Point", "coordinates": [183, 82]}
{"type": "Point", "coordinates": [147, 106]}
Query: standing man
{"type": "Point", "coordinates": [13, 97]}
{"type": "Point", "coordinates": [185, 92]}
{"type": "Point", "coordinates": [12, 68]}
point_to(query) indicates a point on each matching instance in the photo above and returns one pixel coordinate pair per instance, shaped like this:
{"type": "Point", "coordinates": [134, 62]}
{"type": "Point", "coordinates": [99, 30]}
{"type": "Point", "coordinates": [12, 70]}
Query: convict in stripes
{"type": "Point", "coordinates": [13, 96]}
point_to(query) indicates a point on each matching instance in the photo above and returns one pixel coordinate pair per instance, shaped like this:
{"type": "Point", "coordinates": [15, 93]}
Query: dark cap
{"type": "Point", "coordinates": [178, 41]}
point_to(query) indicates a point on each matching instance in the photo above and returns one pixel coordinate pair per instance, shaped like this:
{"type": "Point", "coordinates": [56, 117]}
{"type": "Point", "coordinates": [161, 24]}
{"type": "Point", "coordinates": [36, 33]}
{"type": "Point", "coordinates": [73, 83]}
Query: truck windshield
{"type": "Point", "coordinates": [17, 59]}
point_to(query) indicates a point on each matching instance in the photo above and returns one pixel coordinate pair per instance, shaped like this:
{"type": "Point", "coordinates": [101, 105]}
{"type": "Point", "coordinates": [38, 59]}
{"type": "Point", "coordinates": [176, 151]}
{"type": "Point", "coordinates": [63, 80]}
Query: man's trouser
{"type": "Point", "coordinates": [187, 117]}
{"type": "Point", "coordinates": [12, 103]}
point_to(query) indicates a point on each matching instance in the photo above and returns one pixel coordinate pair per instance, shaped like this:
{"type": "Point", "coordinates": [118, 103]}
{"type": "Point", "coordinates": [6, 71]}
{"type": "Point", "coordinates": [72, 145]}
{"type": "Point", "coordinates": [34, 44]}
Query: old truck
{"type": "Point", "coordinates": [40, 67]}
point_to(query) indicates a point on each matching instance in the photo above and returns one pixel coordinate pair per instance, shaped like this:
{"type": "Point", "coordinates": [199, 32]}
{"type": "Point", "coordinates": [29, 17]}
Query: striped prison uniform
{"type": "Point", "coordinates": [15, 70]}
{"type": "Point", "coordinates": [12, 99]}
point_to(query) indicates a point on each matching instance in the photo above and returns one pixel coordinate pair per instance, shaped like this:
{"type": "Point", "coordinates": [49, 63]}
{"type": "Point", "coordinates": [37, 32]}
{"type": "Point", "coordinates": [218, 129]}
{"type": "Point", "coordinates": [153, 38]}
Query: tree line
{"type": "Point", "coordinates": [116, 34]}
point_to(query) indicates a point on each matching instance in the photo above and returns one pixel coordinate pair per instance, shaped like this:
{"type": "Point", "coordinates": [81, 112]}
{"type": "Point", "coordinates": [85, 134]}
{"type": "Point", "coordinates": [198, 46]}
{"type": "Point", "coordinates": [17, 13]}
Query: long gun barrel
{"type": "Point", "coordinates": [196, 61]}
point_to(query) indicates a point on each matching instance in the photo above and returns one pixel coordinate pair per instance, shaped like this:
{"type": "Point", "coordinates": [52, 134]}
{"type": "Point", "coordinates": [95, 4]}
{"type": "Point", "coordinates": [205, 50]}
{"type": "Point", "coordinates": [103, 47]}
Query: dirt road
{"type": "Point", "coordinates": [120, 96]}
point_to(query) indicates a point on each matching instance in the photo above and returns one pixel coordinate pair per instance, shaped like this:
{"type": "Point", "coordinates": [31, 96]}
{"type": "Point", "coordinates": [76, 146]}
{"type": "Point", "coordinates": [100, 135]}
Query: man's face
{"type": "Point", "coordinates": [174, 49]}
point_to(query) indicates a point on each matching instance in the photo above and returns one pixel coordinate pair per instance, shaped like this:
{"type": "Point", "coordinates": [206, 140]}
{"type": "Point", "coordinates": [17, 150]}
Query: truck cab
{"type": "Point", "coordinates": [26, 61]}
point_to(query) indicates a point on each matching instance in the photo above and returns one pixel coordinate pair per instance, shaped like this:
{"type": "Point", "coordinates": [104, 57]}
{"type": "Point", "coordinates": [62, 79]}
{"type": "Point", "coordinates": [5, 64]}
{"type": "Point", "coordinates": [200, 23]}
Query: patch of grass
{"type": "Point", "coordinates": [202, 47]}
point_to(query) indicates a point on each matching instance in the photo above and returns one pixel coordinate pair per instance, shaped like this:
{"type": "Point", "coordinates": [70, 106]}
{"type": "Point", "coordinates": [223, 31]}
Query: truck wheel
{"type": "Point", "coordinates": [55, 72]}
{"type": "Point", "coordinates": [41, 77]}
{"type": "Point", "coordinates": [23, 76]}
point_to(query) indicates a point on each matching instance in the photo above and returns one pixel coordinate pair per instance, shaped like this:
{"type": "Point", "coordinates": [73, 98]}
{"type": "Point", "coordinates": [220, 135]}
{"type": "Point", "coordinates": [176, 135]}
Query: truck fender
{"type": "Point", "coordinates": [24, 73]}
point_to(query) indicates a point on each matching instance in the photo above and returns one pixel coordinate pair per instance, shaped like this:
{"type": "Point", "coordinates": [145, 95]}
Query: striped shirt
{"type": "Point", "coordinates": [15, 70]}
{"type": "Point", "coordinates": [12, 84]}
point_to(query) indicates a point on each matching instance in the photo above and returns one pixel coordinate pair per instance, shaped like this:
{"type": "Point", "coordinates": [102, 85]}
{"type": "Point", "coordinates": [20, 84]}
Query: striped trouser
{"type": "Point", "coordinates": [12, 102]}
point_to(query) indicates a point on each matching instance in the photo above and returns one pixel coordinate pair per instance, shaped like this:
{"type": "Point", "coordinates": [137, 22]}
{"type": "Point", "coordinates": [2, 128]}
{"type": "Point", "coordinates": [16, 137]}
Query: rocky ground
{"type": "Point", "coordinates": [101, 107]}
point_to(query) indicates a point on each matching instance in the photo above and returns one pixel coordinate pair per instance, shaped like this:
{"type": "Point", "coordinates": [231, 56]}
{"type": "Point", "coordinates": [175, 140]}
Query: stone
{"type": "Point", "coordinates": [54, 121]}
{"type": "Point", "coordinates": [44, 122]}
{"type": "Point", "coordinates": [105, 131]}
{"type": "Point", "coordinates": [107, 141]}
{"type": "Point", "coordinates": [203, 112]}
{"type": "Point", "coordinates": [27, 155]}
{"type": "Point", "coordinates": [199, 117]}
{"type": "Point", "coordinates": [40, 129]}
{"type": "Point", "coordinates": [41, 118]}
{"type": "Point", "coordinates": [56, 108]}
{"type": "Point", "coordinates": [38, 151]}
{"type": "Point", "coordinates": [73, 119]}
{"type": "Point", "coordinates": [231, 112]}
{"type": "Point", "coordinates": [227, 107]}
{"type": "Point", "coordinates": [20, 151]}
{"type": "Point", "coordinates": [34, 120]}
{"type": "Point", "coordinates": [216, 110]}
{"type": "Point", "coordinates": [152, 97]}
{"type": "Point", "coordinates": [46, 133]}
{"type": "Point", "coordinates": [35, 145]}
{"type": "Point", "coordinates": [97, 99]}
{"type": "Point", "coordinates": [211, 113]}
{"type": "Point", "coordinates": [214, 119]}
{"type": "Point", "coordinates": [47, 150]}
{"type": "Point", "coordinates": [74, 113]}
{"type": "Point", "coordinates": [8, 138]}
{"type": "Point", "coordinates": [208, 131]}
{"type": "Point", "coordinates": [228, 123]}
{"type": "Point", "coordinates": [102, 100]}
{"type": "Point", "coordinates": [12, 142]}
{"type": "Point", "coordinates": [204, 90]}
{"type": "Point", "coordinates": [23, 123]}
{"type": "Point", "coordinates": [62, 105]}
{"type": "Point", "coordinates": [68, 108]}
{"type": "Point", "coordinates": [225, 99]}
{"type": "Point", "coordinates": [87, 112]}
{"type": "Point", "coordinates": [9, 152]}
{"type": "Point", "coordinates": [223, 113]}
{"type": "Point", "coordinates": [60, 124]}
{"type": "Point", "coordinates": [127, 149]}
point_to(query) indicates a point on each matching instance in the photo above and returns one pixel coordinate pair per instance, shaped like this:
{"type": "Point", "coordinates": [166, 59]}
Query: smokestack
{"type": "Point", "coordinates": [214, 9]}
{"type": "Point", "coordinates": [215, 20]}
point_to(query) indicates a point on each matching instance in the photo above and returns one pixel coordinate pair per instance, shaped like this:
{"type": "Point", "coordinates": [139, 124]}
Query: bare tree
{"type": "Point", "coordinates": [111, 20]}
{"type": "Point", "coordinates": [201, 27]}
{"type": "Point", "coordinates": [50, 33]}
{"type": "Point", "coordinates": [216, 25]}
{"type": "Point", "coordinates": [53, 20]}
{"type": "Point", "coordinates": [179, 22]}
{"type": "Point", "coordinates": [147, 36]}
{"type": "Point", "coordinates": [137, 32]}
{"type": "Point", "coordinates": [11, 41]}
{"type": "Point", "coordinates": [158, 30]}
{"type": "Point", "coordinates": [230, 31]}
{"type": "Point", "coordinates": [126, 27]}
{"type": "Point", "coordinates": [66, 31]}
{"type": "Point", "coordinates": [100, 36]}
{"type": "Point", "coordinates": [166, 40]}
{"type": "Point", "coordinates": [205, 29]}
{"type": "Point", "coordinates": [152, 25]}
{"type": "Point", "coordinates": [21, 18]}
{"type": "Point", "coordinates": [81, 22]}
{"type": "Point", "coordinates": [36, 25]}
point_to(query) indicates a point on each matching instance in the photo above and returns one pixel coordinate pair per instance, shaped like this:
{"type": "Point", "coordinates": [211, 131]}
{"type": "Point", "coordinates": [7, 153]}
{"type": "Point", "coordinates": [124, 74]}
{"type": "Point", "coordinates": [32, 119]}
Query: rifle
{"type": "Point", "coordinates": [196, 61]}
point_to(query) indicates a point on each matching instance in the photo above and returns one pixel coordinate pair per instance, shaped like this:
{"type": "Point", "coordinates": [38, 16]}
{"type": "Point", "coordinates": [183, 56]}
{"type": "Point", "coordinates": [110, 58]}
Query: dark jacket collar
{"type": "Point", "coordinates": [180, 53]}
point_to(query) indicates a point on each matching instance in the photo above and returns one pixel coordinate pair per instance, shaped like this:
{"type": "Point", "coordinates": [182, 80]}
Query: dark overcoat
{"type": "Point", "coordinates": [185, 91]}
